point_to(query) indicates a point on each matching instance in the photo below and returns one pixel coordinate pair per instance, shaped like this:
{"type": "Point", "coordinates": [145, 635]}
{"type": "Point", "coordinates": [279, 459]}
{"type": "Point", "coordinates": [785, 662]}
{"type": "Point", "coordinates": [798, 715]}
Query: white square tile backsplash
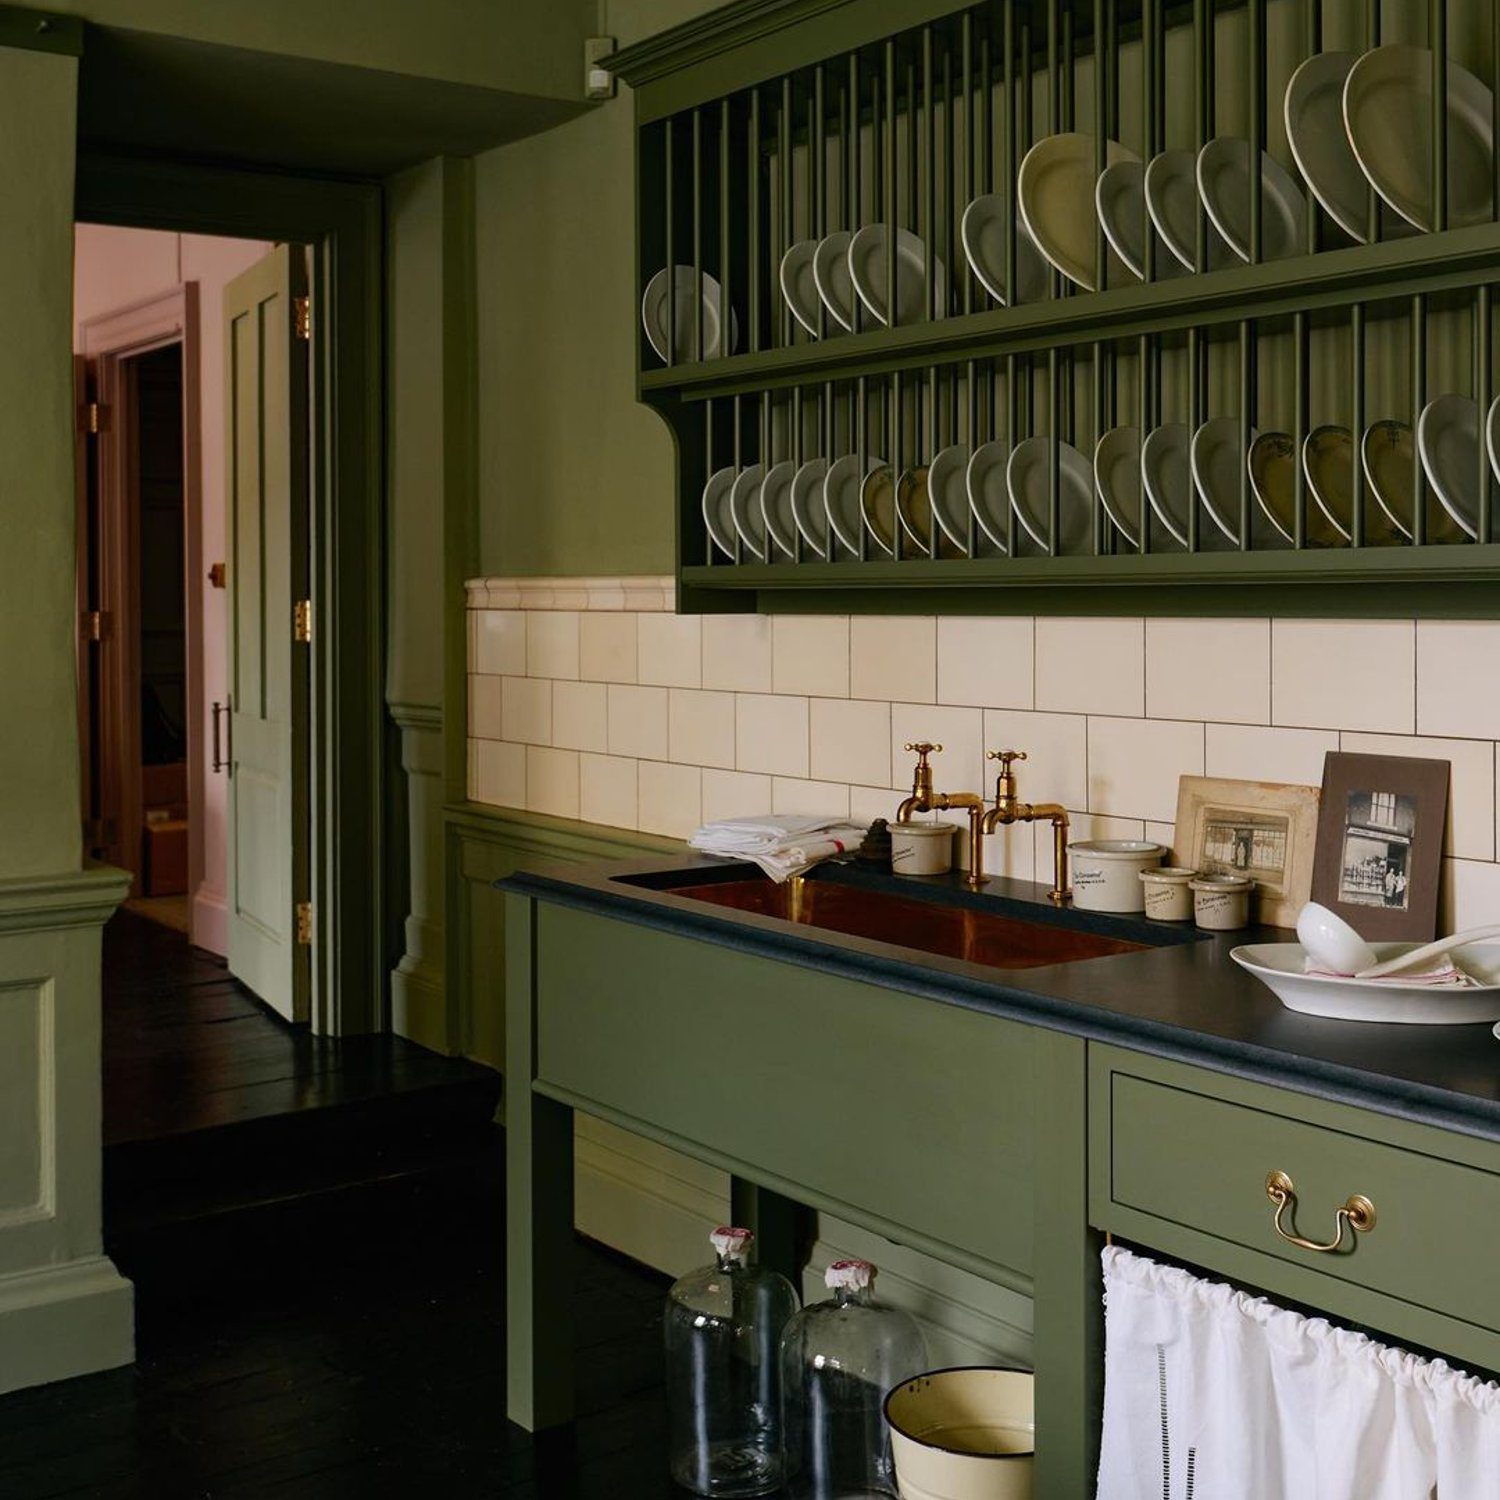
{"type": "Point", "coordinates": [644, 720]}
{"type": "Point", "coordinates": [1344, 674]}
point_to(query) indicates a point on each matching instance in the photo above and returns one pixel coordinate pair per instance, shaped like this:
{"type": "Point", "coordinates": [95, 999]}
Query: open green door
{"type": "Point", "coordinates": [266, 438]}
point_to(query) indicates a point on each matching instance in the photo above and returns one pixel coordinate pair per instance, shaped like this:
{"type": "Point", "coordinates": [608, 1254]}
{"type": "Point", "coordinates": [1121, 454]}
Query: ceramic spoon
{"type": "Point", "coordinates": [1429, 950]}
{"type": "Point", "coordinates": [1332, 943]}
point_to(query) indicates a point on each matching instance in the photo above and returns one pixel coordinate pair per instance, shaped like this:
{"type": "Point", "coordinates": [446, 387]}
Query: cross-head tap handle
{"type": "Point", "coordinates": [924, 748]}
{"type": "Point", "coordinates": [1003, 755]}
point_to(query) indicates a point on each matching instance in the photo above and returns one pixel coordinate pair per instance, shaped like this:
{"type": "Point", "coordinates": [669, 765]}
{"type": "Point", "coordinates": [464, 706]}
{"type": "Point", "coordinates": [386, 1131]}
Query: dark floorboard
{"type": "Point", "coordinates": [315, 1231]}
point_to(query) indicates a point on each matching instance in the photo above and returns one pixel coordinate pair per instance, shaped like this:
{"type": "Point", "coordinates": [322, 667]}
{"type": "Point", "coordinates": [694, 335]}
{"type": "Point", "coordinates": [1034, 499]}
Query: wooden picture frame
{"type": "Point", "coordinates": [1265, 829]}
{"type": "Point", "coordinates": [1380, 843]}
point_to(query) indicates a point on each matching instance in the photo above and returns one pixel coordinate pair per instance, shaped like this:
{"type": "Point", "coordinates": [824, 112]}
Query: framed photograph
{"type": "Point", "coordinates": [1264, 829]}
{"type": "Point", "coordinates": [1380, 844]}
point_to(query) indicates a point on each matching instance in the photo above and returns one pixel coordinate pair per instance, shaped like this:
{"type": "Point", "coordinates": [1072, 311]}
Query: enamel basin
{"type": "Point", "coordinates": [978, 936]}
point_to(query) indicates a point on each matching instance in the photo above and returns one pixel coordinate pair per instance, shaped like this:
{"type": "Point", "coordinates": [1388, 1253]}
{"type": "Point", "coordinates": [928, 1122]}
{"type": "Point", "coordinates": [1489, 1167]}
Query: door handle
{"type": "Point", "coordinates": [1357, 1211]}
{"type": "Point", "coordinates": [221, 759]}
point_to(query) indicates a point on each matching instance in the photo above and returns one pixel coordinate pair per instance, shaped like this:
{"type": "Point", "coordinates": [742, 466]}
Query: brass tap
{"type": "Point", "coordinates": [924, 799]}
{"type": "Point", "coordinates": [1010, 809]}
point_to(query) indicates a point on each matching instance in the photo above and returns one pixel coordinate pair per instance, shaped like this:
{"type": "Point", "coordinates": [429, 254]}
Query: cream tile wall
{"type": "Point", "coordinates": [639, 719]}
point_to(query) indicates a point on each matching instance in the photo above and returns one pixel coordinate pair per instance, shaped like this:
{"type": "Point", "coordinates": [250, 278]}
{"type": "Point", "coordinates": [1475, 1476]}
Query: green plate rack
{"type": "Point", "coordinates": [768, 126]}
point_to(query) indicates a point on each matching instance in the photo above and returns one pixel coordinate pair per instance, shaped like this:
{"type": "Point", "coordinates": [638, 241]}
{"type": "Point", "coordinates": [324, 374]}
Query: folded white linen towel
{"type": "Point", "coordinates": [782, 847]}
{"type": "Point", "coordinates": [1443, 974]}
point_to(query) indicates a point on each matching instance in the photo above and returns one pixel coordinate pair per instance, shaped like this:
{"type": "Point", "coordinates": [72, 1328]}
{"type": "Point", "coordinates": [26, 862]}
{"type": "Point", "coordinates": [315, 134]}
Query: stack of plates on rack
{"type": "Point", "coordinates": [832, 283]}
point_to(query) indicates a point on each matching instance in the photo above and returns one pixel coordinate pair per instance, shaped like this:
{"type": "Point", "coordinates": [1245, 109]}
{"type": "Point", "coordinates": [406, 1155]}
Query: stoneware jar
{"type": "Point", "coordinates": [1168, 893]}
{"type": "Point", "coordinates": [922, 848]}
{"type": "Point", "coordinates": [1107, 872]}
{"type": "Point", "coordinates": [1221, 903]}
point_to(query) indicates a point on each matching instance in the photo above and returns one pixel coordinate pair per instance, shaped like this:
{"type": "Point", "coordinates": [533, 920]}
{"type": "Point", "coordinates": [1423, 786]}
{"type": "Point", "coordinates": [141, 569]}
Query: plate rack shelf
{"type": "Point", "coordinates": [1292, 370]}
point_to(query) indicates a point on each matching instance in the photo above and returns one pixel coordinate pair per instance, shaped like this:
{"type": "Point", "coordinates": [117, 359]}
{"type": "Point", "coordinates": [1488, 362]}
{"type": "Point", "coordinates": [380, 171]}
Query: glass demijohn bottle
{"type": "Point", "coordinates": [723, 1331]}
{"type": "Point", "coordinates": [839, 1360]}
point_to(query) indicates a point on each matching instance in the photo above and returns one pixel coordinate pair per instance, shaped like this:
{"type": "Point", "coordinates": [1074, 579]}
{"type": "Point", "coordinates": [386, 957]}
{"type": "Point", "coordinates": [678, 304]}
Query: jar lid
{"type": "Point", "coordinates": [1172, 874]}
{"type": "Point", "coordinates": [851, 1275]}
{"type": "Point", "coordinates": [730, 1242]}
{"type": "Point", "coordinates": [1118, 848]}
{"type": "Point", "coordinates": [1222, 883]}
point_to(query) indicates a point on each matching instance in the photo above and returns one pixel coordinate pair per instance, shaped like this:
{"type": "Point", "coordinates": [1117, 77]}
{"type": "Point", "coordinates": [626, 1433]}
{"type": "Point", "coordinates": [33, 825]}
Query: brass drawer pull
{"type": "Point", "coordinates": [1357, 1210]}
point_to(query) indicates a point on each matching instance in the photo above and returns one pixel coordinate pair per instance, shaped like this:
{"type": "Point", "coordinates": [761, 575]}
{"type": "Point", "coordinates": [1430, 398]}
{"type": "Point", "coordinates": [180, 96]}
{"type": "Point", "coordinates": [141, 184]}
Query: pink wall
{"type": "Point", "coordinates": [114, 268]}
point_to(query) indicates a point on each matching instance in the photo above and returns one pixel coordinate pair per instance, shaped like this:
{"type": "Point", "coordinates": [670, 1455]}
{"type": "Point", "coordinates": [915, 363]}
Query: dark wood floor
{"type": "Point", "coordinates": [317, 1330]}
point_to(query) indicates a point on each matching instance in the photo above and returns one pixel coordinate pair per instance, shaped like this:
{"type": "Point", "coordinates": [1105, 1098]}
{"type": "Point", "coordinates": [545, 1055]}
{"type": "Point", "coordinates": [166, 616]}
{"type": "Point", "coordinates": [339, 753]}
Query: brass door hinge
{"type": "Point", "coordinates": [93, 624]}
{"type": "Point", "coordinates": [302, 316]}
{"type": "Point", "coordinates": [304, 924]}
{"type": "Point", "coordinates": [93, 418]}
{"type": "Point", "coordinates": [302, 621]}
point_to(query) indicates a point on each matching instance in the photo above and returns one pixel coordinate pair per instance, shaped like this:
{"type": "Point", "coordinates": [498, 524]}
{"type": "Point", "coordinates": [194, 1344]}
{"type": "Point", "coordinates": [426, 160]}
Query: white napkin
{"type": "Point", "coordinates": [1442, 974]}
{"type": "Point", "coordinates": [781, 846]}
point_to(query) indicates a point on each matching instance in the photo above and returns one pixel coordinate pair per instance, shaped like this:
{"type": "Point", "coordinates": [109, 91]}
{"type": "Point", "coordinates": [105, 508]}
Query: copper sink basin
{"type": "Point", "coordinates": [980, 937]}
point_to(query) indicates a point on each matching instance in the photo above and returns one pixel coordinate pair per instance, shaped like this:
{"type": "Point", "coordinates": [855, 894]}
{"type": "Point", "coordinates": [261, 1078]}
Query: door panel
{"type": "Point", "coordinates": [267, 484]}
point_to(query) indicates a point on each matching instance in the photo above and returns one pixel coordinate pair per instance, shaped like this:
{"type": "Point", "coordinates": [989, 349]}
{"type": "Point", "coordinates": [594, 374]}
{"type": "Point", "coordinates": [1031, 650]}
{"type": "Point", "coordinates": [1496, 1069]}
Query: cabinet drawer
{"type": "Point", "coordinates": [1180, 1158]}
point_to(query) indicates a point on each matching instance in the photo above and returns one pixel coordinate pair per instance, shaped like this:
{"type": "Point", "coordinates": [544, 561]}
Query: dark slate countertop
{"type": "Point", "coordinates": [1185, 999]}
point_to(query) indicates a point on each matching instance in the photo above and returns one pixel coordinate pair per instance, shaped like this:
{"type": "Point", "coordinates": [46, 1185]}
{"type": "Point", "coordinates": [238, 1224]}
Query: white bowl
{"type": "Point", "coordinates": [1280, 967]}
{"type": "Point", "coordinates": [967, 1434]}
{"type": "Point", "coordinates": [1106, 873]}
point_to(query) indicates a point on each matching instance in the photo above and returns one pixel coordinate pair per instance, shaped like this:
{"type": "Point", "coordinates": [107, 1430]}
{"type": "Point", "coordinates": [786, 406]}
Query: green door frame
{"type": "Point", "coordinates": [352, 873]}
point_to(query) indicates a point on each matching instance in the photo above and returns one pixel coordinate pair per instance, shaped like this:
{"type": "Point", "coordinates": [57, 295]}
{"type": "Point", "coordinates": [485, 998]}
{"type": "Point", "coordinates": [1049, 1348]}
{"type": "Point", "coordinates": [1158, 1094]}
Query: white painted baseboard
{"type": "Point", "coordinates": [210, 921]}
{"type": "Point", "coordinates": [658, 1207]}
{"type": "Point", "coordinates": [64, 1320]}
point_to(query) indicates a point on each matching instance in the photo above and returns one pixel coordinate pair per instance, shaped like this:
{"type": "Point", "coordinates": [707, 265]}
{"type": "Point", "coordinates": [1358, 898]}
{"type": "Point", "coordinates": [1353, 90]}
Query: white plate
{"type": "Point", "coordinates": [1218, 459]}
{"type": "Point", "coordinates": [1027, 481]}
{"type": "Point", "coordinates": [744, 507]}
{"type": "Point", "coordinates": [831, 277]}
{"type": "Point", "coordinates": [947, 487]}
{"type": "Point", "coordinates": [1223, 173]}
{"type": "Point", "coordinates": [989, 500]}
{"type": "Point", "coordinates": [1173, 203]}
{"type": "Point", "coordinates": [867, 270]}
{"type": "Point", "coordinates": [776, 506]}
{"type": "Point", "coordinates": [1117, 476]}
{"type": "Point", "coordinates": [1055, 193]}
{"type": "Point", "coordinates": [1120, 201]}
{"type": "Point", "coordinates": [1328, 462]}
{"type": "Point", "coordinates": [716, 513]}
{"type": "Point", "coordinates": [1168, 478]}
{"type": "Point", "coordinates": [1314, 112]}
{"type": "Point", "coordinates": [654, 316]}
{"type": "Point", "coordinates": [983, 229]}
{"type": "Point", "coordinates": [1279, 966]}
{"type": "Point", "coordinates": [807, 504]}
{"type": "Point", "coordinates": [799, 286]}
{"type": "Point", "coordinates": [1388, 119]}
{"type": "Point", "coordinates": [1448, 440]}
{"type": "Point", "coordinates": [841, 489]}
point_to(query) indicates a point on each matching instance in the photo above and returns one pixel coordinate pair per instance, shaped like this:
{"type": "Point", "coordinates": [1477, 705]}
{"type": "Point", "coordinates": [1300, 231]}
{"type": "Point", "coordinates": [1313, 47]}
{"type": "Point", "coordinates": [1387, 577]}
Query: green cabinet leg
{"type": "Point", "coordinates": [1068, 1313]}
{"type": "Point", "coordinates": [782, 1227]}
{"type": "Point", "coordinates": [538, 1207]}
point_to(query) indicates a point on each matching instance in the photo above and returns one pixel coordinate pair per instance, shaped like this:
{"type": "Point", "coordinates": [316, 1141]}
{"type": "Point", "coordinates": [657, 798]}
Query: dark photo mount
{"type": "Point", "coordinates": [1380, 843]}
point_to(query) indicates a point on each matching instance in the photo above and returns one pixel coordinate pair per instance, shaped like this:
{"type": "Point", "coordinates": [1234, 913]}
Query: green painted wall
{"type": "Point", "coordinates": [530, 46]}
{"type": "Point", "coordinates": [38, 707]}
{"type": "Point", "coordinates": [575, 476]}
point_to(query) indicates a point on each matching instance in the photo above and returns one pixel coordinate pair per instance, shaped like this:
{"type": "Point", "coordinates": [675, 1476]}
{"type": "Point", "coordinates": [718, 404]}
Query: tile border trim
{"type": "Point", "coordinates": [641, 593]}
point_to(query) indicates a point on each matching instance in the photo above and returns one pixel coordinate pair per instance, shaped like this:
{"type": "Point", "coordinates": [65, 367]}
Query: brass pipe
{"type": "Point", "coordinates": [1009, 809]}
{"type": "Point", "coordinates": [924, 799]}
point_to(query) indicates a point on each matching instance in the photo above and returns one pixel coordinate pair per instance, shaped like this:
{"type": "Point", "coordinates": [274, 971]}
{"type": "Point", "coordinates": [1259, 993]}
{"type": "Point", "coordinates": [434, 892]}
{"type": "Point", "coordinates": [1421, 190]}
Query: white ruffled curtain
{"type": "Point", "coordinates": [1211, 1394]}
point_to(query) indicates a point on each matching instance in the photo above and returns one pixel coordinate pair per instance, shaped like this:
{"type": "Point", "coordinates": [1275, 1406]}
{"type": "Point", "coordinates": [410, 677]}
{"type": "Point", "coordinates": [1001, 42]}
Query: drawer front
{"type": "Point", "coordinates": [920, 1111]}
{"type": "Point", "coordinates": [1188, 1151]}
